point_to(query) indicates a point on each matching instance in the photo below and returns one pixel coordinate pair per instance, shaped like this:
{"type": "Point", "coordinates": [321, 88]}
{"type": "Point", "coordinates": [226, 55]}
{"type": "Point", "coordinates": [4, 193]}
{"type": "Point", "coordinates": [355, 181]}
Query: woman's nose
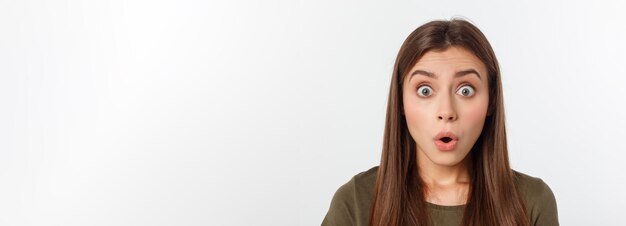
{"type": "Point", "coordinates": [447, 116]}
{"type": "Point", "coordinates": [446, 111]}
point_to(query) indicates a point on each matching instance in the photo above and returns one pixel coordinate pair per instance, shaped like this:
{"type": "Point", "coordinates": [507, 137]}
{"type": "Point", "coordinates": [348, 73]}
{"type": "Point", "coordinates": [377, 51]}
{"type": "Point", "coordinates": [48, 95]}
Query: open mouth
{"type": "Point", "coordinates": [446, 141]}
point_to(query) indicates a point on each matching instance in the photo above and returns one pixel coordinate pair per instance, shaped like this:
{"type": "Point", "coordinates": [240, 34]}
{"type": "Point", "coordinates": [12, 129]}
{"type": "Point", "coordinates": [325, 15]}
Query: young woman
{"type": "Point", "coordinates": [444, 159]}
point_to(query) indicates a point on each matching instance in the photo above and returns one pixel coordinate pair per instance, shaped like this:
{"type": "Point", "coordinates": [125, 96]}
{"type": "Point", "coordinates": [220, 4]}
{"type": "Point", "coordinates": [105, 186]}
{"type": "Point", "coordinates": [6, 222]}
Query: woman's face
{"type": "Point", "coordinates": [446, 91]}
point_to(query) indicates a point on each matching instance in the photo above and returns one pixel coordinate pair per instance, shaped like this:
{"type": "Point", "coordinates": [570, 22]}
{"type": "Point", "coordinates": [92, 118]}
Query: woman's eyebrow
{"type": "Point", "coordinates": [456, 75]}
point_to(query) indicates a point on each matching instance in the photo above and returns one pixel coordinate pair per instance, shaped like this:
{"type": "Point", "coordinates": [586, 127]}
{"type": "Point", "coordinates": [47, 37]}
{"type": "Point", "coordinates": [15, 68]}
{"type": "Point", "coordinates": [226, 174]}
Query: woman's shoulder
{"type": "Point", "coordinates": [360, 185]}
{"type": "Point", "coordinates": [366, 178]}
{"type": "Point", "coordinates": [350, 203]}
{"type": "Point", "coordinates": [531, 186]}
{"type": "Point", "coordinates": [538, 198]}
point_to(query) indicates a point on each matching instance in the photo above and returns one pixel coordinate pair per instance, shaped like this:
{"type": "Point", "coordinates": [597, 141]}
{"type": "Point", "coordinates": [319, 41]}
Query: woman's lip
{"type": "Point", "coordinates": [446, 134]}
{"type": "Point", "coordinates": [443, 146]}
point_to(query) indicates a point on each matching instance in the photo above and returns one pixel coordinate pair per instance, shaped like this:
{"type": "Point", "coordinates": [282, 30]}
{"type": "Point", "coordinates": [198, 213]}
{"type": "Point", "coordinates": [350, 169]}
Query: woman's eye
{"type": "Point", "coordinates": [424, 91]}
{"type": "Point", "coordinates": [466, 91]}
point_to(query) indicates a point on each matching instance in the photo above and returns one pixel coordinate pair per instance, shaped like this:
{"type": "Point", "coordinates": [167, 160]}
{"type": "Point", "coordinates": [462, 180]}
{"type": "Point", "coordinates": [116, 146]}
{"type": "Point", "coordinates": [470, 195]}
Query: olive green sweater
{"type": "Point", "coordinates": [351, 203]}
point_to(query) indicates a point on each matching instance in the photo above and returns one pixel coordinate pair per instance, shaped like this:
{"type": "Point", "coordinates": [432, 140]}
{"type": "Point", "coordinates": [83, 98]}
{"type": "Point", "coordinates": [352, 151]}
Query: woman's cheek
{"type": "Point", "coordinates": [419, 111]}
{"type": "Point", "coordinates": [477, 112]}
{"type": "Point", "coordinates": [416, 114]}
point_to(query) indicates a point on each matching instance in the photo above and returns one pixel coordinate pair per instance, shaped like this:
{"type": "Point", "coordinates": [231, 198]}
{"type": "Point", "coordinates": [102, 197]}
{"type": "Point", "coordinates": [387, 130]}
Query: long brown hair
{"type": "Point", "coordinates": [399, 197]}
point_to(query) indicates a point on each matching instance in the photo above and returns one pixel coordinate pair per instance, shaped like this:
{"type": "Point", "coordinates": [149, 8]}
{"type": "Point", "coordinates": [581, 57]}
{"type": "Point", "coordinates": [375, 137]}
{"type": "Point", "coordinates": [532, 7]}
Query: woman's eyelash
{"type": "Point", "coordinates": [467, 84]}
{"type": "Point", "coordinates": [461, 85]}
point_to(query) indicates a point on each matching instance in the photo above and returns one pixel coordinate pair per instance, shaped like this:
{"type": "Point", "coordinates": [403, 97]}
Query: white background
{"type": "Point", "coordinates": [255, 112]}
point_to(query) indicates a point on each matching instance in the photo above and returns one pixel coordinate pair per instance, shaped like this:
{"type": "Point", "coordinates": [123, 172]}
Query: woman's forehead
{"type": "Point", "coordinates": [450, 59]}
{"type": "Point", "coordinates": [453, 63]}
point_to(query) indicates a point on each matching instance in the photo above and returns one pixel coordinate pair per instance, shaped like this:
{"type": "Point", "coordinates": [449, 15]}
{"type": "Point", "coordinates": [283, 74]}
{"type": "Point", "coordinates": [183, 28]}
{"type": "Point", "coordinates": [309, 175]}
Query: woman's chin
{"type": "Point", "coordinates": [445, 159]}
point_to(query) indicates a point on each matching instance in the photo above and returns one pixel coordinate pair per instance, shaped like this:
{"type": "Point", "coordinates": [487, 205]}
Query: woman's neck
{"type": "Point", "coordinates": [445, 185]}
{"type": "Point", "coordinates": [433, 173]}
{"type": "Point", "coordinates": [444, 175]}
